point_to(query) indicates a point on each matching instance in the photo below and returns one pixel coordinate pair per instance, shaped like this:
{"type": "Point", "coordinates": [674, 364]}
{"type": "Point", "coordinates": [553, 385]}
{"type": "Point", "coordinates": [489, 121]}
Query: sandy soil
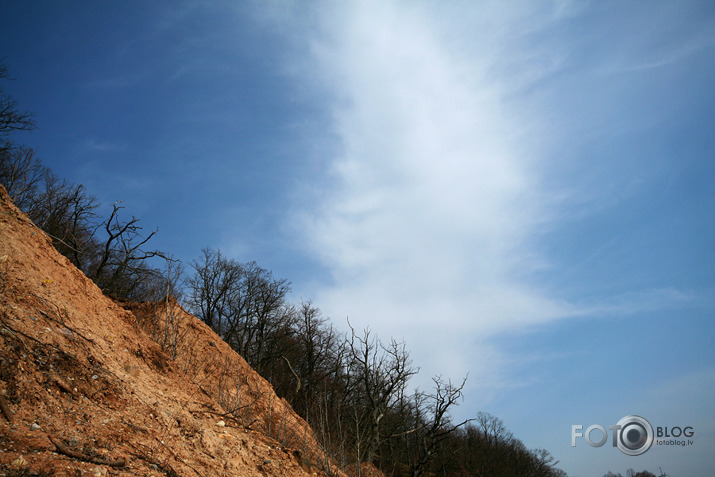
{"type": "Point", "coordinates": [93, 387]}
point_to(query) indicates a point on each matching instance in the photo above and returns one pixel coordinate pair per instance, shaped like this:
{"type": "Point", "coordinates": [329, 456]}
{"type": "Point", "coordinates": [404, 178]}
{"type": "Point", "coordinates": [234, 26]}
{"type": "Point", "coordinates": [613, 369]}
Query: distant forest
{"type": "Point", "coordinates": [353, 389]}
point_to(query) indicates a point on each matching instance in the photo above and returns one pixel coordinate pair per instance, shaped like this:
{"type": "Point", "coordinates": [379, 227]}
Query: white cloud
{"type": "Point", "coordinates": [641, 302]}
{"type": "Point", "coordinates": [426, 225]}
{"type": "Point", "coordinates": [430, 217]}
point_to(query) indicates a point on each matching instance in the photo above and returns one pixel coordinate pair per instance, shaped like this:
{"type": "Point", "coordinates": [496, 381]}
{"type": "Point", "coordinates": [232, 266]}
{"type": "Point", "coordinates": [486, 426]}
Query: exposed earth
{"type": "Point", "coordinates": [89, 386]}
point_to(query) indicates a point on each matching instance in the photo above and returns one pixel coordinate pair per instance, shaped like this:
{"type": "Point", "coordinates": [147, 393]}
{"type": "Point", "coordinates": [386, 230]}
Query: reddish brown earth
{"type": "Point", "coordinates": [93, 387]}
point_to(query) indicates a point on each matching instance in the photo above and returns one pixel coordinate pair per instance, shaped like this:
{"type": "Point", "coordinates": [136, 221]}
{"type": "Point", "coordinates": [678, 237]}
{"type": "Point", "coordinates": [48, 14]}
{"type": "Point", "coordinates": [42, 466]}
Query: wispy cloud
{"type": "Point", "coordinates": [640, 302]}
{"type": "Point", "coordinates": [432, 202]}
{"type": "Point", "coordinates": [430, 218]}
{"type": "Point", "coordinates": [676, 41]}
{"type": "Point", "coordinates": [94, 145]}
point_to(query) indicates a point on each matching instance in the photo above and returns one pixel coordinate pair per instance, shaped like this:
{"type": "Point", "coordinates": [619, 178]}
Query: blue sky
{"type": "Point", "coordinates": [523, 191]}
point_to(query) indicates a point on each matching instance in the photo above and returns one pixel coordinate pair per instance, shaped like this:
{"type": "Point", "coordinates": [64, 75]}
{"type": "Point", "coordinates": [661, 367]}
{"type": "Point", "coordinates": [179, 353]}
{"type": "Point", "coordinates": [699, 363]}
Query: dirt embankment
{"type": "Point", "coordinates": [92, 387]}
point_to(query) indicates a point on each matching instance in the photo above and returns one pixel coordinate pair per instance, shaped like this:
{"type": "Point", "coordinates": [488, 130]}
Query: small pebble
{"type": "Point", "coordinates": [19, 463]}
{"type": "Point", "coordinates": [34, 426]}
{"type": "Point", "coordinates": [220, 424]}
{"type": "Point", "coordinates": [99, 472]}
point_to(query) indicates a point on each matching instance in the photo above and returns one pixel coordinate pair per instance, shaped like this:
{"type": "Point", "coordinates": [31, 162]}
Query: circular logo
{"type": "Point", "coordinates": [635, 435]}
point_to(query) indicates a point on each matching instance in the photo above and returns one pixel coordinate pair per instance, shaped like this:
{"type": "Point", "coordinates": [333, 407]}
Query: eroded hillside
{"type": "Point", "coordinates": [92, 387]}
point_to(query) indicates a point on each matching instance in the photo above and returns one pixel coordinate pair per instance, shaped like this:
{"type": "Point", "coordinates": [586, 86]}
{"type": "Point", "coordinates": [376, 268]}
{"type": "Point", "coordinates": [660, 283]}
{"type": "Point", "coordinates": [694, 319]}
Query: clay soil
{"type": "Point", "coordinates": [89, 386]}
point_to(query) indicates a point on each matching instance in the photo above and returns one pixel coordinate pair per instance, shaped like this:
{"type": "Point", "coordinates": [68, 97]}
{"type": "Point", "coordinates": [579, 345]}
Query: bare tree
{"type": "Point", "coordinates": [11, 118]}
{"type": "Point", "coordinates": [642, 473]}
{"type": "Point", "coordinates": [67, 213]}
{"type": "Point", "coordinates": [540, 464]}
{"type": "Point", "coordinates": [492, 428]}
{"type": "Point", "coordinates": [378, 375]}
{"type": "Point", "coordinates": [211, 285]}
{"type": "Point", "coordinates": [490, 444]}
{"type": "Point", "coordinates": [22, 174]}
{"type": "Point", "coordinates": [314, 354]}
{"type": "Point", "coordinates": [121, 267]}
{"type": "Point", "coordinates": [165, 323]}
{"type": "Point", "coordinates": [429, 433]}
{"type": "Point", "coordinates": [244, 304]}
{"type": "Point", "coordinates": [268, 316]}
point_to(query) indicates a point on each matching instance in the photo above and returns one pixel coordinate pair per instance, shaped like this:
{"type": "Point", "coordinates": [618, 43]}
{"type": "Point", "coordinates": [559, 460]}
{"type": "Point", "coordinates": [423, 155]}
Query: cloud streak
{"type": "Point", "coordinates": [433, 200]}
{"type": "Point", "coordinates": [473, 152]}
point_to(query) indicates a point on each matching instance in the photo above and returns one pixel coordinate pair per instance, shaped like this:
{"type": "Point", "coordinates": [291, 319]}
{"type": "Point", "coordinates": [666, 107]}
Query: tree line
{"type": "Point", "coordinates": [109, 250]}
{"type": "Point", "coordinates": [352, 388]}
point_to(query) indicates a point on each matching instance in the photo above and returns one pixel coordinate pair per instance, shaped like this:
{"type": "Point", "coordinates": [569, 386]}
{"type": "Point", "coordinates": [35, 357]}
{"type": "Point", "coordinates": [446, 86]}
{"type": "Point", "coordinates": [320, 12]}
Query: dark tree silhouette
{"type": "Point", "coordinates": [11, 118]}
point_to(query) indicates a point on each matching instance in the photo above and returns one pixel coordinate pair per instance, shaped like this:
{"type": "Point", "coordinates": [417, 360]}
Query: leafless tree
{"type": "Point", "coordinates": [260, 315]}
{"type": "Point", "coordinates": [11, 118]}
{"type": "Point", "coordinates": [244, 304]}
{"type": "Point", "coordinates": [67, 213]}
{"type": "Point", "coordinates": [165, 324]}
{"type": "Point", "coordinates": [121, 267]}
{"type": "Point", "coordinates": [434, 423]}
{"type": "Point", "coordinates": [314, 356]}
{"type": "Point", "coordinates": [377, 374]}
{"type": "Point", "coordinates": [22, 174]}
{"type": "Point", "coordinates": [492, 428]}
{"type": "Point", "coordinates": [642, 473]}
{"type": "Point", "coordinates": [210, 287]}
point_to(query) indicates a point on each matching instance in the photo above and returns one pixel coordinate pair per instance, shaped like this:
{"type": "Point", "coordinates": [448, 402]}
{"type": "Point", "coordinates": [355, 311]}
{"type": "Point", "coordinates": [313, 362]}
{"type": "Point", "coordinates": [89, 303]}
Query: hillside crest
{"type": "Point", "coordinates": [90, 386]}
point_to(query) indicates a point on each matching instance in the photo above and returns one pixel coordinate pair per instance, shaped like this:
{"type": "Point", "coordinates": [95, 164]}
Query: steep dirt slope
{"type": "Point", "coordinates": [86, 390]}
